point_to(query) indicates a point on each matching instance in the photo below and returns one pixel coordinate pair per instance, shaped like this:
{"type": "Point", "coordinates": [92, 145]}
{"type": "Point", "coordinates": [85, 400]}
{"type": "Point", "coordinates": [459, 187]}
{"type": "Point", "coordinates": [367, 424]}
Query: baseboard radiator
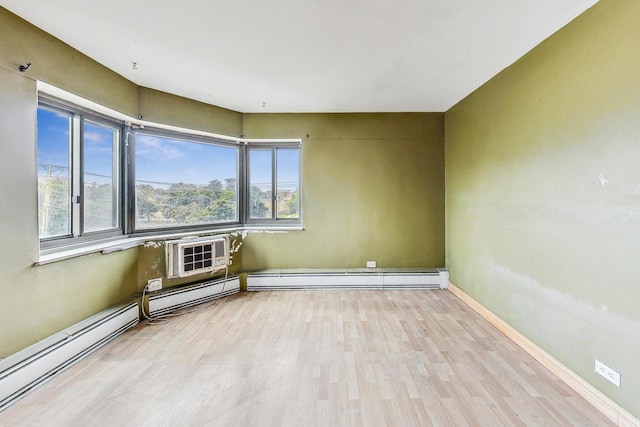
{"type": "Point", "coordinates": [349, 279]}
{"type": "Point", "coordinates": [25, 370]}
{"type": "Point", "coordinates": [163, 302]}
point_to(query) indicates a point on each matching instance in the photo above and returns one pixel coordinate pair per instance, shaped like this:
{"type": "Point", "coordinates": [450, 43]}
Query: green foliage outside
{"type": "Point", "coordinates": [100, 208]}
{"type": "Point", "coordinates": [54, 206]}
{"type": "Point", "coordinates": [186, 204]}
{"type": "Point", "coordinates": [179, 204]}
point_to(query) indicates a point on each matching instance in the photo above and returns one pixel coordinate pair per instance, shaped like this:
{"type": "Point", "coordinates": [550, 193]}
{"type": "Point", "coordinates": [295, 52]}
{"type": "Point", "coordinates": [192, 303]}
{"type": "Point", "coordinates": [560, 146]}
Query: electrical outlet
{"type": "Point", "coordinates": [608, 373]}
{"type": "Point", "coordinates": [154, 284]}
{"type": "Point", "coordinates": [371, 264]}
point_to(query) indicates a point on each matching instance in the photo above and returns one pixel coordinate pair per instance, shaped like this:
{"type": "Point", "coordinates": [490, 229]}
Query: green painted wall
{"type": "Point", "coordinates": [543, 195]}
{"type": "Point", "coordinates": [168, 109]}
{"type": "Point", "coordinates": [372, 190]}
{"type": "Point", "coordinates": [36, 302]}
{"type": "Point", "coordinates": [60, 65]}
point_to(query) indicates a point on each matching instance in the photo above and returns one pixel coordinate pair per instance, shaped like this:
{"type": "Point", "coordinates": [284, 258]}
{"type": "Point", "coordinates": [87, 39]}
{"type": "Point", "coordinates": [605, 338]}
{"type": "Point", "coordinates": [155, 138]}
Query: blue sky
{"type": "Point", "coordinates": [157, 158]}
{"type": "Point", "coordinates": [53, 146]}
{"type": "Point", "coordinates": [98, 152]}
{"type": "Point", "coordinates": [164, 159]}
{"type": "Point", "coordinates": [53, 141]}
{"type": "Point", "coordinates": [288, 167]}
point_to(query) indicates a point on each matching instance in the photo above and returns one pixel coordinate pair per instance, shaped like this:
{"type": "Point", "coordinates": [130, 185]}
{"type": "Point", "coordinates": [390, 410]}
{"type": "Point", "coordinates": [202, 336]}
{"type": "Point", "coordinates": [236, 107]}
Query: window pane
{"type": "Point", "coordinates": [260, 180]}
{"type": "Point", "coordinates": [54, 184]}
{"type": "Point", "coordinates": [181, 183]}
{"type": "Point", "coordinates": [288, 182]}
{"type": "Point", "coordinates": [100, 178]}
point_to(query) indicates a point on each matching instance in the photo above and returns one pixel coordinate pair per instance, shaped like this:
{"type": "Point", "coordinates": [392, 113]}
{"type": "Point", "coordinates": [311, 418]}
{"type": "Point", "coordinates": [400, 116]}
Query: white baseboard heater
{"type": "Point", "coordinates": [26, 369]}
{"type": "Point", "coordinates": [173, 299]}
{"type": "Point", "coordinates": [349, 279]}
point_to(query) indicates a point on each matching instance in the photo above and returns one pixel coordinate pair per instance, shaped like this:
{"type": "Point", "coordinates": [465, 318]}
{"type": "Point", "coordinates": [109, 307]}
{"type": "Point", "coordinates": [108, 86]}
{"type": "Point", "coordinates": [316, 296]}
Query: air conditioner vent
{"type": "Point", "coordinates": [188, 257]}
{"type": "Point", "coordinates": [220, 247]}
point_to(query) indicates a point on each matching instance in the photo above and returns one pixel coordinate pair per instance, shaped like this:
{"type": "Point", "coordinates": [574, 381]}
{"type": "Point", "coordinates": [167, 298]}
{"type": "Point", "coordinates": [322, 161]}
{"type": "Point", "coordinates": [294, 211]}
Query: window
{"type": "Point", "coordinates": [79, 178]}
{"type": "Point", "coordinates": [261, 183]}
{"type": "Point", "coordinates": [274, 183]}
{"type": "Point", "coordinates": [99, 178]}
{"type": "Point", "coordinates": [54, 179]}
{"type": "Point", "coordinates": [182, 182]}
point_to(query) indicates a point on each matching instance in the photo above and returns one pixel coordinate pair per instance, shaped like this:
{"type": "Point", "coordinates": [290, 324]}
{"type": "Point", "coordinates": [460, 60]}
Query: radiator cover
{"type": "Point", "coordinates": [27, 369]}
{"type": "Point", "coordinates": [173, 299]}
{"type": "Point", "coordinates": [348, 279]}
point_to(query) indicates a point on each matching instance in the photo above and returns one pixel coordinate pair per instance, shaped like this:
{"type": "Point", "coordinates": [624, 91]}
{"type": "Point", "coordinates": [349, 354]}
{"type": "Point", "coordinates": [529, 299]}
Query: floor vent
{"type": "Point", "coordinates": [174, 299]}
{"type": "Point", "coordinates": [350, 279]}
{"type": "Point", "coordinates": [25, 370]}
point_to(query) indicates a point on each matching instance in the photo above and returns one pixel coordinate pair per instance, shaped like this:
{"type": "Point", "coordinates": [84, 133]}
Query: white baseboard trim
{"type": "Point", "coordinates": [27, 369]}
{"type": "Point", "coordinates": [604, 404]}
{"type": "Point", "coordinates": [172, 299]}
{"type": "Point", "coordinates": [348, 279]}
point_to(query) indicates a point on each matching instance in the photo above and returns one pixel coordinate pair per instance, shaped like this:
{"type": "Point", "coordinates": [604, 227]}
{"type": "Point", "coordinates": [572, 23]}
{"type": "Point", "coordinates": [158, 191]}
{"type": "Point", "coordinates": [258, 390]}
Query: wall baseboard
{"type": "Point", "coordinates": [179, 297]}
{"type": "Point", "coordinates": [348, 279]}
{"type": "Point", "coordinates": [27, 369]}
{"type": "Point", "coordinates": [604, 404]}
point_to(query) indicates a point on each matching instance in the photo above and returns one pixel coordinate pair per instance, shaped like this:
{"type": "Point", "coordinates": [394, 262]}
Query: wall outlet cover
{"type": "Point", "coordinates": [371, 264]}
{"type": "Point", "coordinates": [608, 373]}
{"type": "Point", "coordinates": [154, 284]}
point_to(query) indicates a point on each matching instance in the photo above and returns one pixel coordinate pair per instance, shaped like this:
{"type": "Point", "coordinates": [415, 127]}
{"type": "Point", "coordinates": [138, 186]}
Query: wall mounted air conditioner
{"type": "Point", "coordinates": [190, 256]}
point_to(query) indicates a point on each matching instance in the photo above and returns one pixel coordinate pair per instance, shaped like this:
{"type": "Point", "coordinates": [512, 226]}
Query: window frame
{"type": "Point", "coordinates": [117, 170]}
{"type": "Point", "coordinates": [78, 235]}
{"type": "Point", "coordinates": [124, 235]}
{"type": "Point", "coordinates": [273, 146]}
{"type": "Point", "coordinates": [192, 138]}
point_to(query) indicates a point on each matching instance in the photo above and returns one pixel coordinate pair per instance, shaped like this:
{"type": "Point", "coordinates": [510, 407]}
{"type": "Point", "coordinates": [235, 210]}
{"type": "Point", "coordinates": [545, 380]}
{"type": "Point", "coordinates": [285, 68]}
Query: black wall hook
{"type": "Point", "coordinates": [24, 68]}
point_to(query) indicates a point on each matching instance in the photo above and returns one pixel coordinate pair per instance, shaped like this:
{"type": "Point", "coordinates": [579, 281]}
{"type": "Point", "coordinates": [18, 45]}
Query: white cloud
{"type": "Point", "coordinates": [157, 148]}
{"type": "Point", "coordinates": [93, 136]}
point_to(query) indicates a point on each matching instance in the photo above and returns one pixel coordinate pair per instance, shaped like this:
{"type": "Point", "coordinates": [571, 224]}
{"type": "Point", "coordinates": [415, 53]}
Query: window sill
{"type": "Point", "coordinates": [106, 246]}
{"type": "Point", "coordinates": [120, 244]}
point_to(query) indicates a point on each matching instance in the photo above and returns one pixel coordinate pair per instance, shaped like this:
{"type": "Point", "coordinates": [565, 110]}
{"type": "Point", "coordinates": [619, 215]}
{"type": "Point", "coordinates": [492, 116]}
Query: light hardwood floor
{"type": "Point", "coordinates": [317, 358]}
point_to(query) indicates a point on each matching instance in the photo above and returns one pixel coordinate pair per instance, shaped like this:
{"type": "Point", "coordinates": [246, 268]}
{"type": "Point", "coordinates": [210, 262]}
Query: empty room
{"type": "Point", "coordinates": [291, 213]}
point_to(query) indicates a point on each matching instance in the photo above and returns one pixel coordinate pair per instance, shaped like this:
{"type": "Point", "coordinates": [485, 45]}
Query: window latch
{"type": "Point", "coordinates": [78, 200]}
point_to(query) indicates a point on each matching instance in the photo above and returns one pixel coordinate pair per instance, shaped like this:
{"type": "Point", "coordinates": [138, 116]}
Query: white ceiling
{"type": "Point", "coordinates": [305, 55]}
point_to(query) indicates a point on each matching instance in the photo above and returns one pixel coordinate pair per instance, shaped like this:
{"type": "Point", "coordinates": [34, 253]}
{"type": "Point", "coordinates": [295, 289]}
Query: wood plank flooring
{"type": "Point", "coordinates": [315, 358]}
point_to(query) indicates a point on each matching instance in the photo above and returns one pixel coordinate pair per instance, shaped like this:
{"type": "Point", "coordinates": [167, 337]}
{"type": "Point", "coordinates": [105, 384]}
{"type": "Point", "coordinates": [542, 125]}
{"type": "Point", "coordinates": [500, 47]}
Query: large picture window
{"type": "Point", "coordinates": [79, 175]}
{"type": "Point", "coordinates": [182, 182]}
{"type": "Point", "coordinates": [100, 178]}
